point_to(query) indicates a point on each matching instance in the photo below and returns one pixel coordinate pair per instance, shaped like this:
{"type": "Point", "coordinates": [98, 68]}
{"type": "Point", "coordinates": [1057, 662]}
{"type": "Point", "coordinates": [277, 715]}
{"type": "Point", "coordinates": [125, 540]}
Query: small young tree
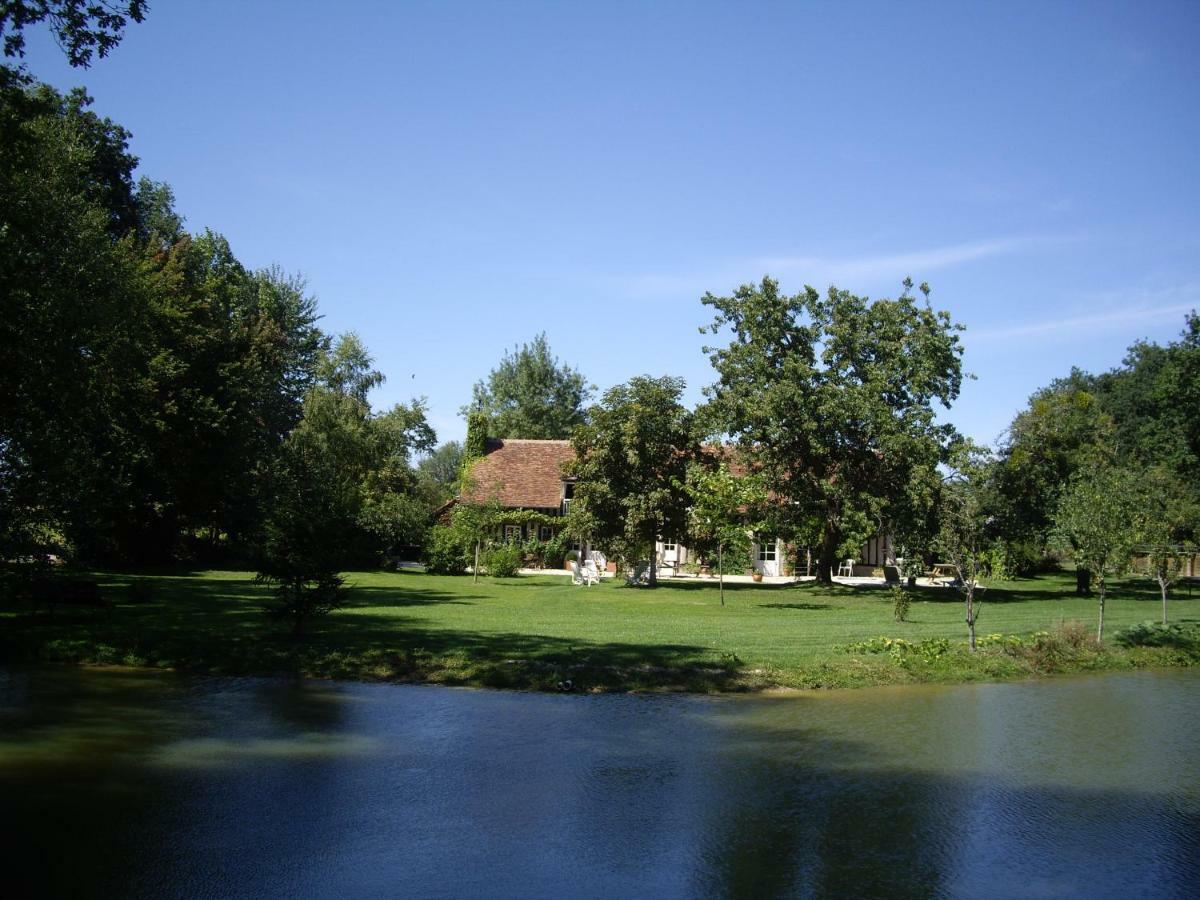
{"type": "Point", "coordinates": [722, 511]}
{"type": "Point", "coordinates": [311, 512]}
{"type": "Point", "coordinates": [1167, 521]}
{"type": "Point", "coordinates": [1097, 521]}
{"type": "Point", "coordinates": [475, 524]}
{"type": "Point", "coordinates": [963, 526]}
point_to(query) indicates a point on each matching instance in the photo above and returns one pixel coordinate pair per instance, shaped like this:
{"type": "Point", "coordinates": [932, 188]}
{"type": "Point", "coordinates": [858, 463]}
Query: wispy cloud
{"type": "Point", "coordinates": [897, 265]}
{"type": "Point", "coordinates": [1147, 308]}
{"type": "Point", "coordinates": [848, 270]}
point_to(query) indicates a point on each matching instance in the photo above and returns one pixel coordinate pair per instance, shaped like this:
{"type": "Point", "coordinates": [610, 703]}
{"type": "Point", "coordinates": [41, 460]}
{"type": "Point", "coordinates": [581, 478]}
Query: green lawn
{"type": "Point", "coordinates": [538, 631]}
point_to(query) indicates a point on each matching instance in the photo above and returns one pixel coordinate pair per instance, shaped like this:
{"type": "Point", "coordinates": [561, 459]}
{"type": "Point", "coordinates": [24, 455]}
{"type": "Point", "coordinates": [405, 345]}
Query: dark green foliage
{"type": "Point", "coordinates": [530, 395]}
{"type": "Point", "coordinates": [901, 602]}
{"type": "Point", "coordinates": [631, 466]}
{"type": "Point", "coordinates": [503, 560]}
{"type": "Point", "coordinates": [438, 473]}
{"type": "Point", "coordinates": [306, 541]}
{"type": "Point", "coordinates": [1139, 416]}
{"type": "Point", "coordinates": [1154, 634]}
{"type": "Point", "coordinates": [148, 377]}
{"type": "Point", "coordinates": [81, 27]}
{"type": "Point", "coordinates": [832, 396]}
{"type": "Point", "coordinates": [477, 435]}
{"type": "Point", "coordinates": [447, 552]}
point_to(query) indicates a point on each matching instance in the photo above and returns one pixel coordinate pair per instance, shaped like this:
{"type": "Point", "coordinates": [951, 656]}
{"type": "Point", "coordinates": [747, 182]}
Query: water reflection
{"type": "Point", "coordinates": [149, 785]}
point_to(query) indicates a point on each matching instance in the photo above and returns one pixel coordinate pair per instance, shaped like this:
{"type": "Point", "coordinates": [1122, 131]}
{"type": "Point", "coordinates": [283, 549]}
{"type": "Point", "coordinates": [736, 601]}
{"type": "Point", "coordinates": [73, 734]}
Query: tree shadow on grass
{"type": "Point", "coordinates": [366, 596]}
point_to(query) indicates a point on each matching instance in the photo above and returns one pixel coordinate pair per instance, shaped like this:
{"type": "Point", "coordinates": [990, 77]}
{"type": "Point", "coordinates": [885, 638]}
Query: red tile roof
{"type": "Point", "coordinates": [520, 473]}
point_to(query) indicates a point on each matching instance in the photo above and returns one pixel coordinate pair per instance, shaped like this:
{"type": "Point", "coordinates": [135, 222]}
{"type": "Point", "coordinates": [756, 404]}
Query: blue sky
{"type": "Point", "coordinates": [453, 178]}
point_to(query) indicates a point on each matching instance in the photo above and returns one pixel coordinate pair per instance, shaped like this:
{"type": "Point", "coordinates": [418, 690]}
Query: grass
{"type": "Point", "coordinates": [539, 632]}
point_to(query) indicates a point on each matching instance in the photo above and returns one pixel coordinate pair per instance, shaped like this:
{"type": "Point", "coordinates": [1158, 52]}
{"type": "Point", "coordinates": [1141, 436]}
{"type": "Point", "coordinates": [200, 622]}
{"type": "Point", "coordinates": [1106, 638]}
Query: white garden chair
{"type": "Point", "coordinates": [582, 575]}
{"type": "Point", "coordinates": [846, 569]}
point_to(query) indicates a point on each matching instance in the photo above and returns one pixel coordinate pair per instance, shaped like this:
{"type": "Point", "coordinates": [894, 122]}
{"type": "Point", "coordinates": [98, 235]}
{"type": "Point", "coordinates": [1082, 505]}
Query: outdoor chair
{"type": "Point", "coordinates": [582, 576]}
{"type": "Point", "coordinates": [591, 571]}
{"type": "Point", "coordinates": [846, 569]}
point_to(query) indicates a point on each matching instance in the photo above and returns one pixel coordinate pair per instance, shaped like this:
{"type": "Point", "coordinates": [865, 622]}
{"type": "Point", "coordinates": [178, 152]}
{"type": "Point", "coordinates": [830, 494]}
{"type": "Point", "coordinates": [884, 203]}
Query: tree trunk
{"type": "Point", "coordinates": [828, 557]}
{"type": "Point", "coordinates": [1083, 582]}
{"type": "Point", "coordinates": [971, 617]}
{"type": "Point", "coordinates": [721, 576]}
{"type": "Point", "coordinates": [475, 570]}
{"type": "Point", "coordinates": [1100, 629]}
{"type": "Point", "coordinates": [652, 578]}
{"type": "Point", "coordinates": [1162, 586]}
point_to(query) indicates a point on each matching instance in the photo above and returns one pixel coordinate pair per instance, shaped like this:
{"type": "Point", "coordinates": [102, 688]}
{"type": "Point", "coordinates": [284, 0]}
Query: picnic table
{"type": "Point", "coordinates": [946, 572]}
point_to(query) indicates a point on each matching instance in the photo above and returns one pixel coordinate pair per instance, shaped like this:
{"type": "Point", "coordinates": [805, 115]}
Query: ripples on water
{"type": "Point", "coordinates": [139, 784]}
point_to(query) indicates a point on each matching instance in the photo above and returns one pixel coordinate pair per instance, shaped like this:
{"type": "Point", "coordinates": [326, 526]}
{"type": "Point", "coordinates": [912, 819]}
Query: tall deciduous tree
{"type": "Point", "coordinates": [833, 397]}
{"type": "Point", "coordinates": [531, 394]}
{"type": "Point", "coordinates": [631, 462]}
{"type": "Point", "coordinates": [1097, 522]}
{"type": "Point", "coordinates": [1064, 430]}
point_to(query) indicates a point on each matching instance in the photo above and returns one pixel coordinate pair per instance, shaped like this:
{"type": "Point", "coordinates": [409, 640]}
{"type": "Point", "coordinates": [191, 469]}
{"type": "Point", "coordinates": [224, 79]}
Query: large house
{"type": "Point", "coordinates": [523, 474]}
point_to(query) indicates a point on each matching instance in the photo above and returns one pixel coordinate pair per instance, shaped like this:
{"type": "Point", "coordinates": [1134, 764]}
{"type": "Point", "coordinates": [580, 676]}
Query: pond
{"type": "Point", "coordinates": [138, 784]}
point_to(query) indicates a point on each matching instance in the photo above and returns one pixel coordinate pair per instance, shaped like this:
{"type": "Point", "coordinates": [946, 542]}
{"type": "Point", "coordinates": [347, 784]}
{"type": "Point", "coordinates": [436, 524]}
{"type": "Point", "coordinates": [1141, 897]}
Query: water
{"type": "Point", "coordinates": [149, 785]}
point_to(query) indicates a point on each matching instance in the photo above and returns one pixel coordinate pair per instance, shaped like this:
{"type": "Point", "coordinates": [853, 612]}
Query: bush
{"type": "Point", "coordinates": [503, 561]}
{"type": "Point", "coordinates": [446, 552]}
{"type": "Point", "coordinates": [901, 602]}
{"type": "Point", "coordinates": [1155, 634]}
{"type": "Point", "coordinates": [555, 550]}
{"type": "Point", "coordinates": [1072, 640]}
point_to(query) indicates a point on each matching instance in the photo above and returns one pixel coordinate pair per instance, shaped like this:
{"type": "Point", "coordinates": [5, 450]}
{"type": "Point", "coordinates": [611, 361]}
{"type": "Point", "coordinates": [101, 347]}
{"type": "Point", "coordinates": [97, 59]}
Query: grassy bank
{"type": "Point", "coordinates": [538, 632]}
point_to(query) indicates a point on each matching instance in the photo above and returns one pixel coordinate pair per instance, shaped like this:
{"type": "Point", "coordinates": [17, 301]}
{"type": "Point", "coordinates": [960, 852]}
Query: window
{"type": "Point", "coordinates": [512, 534]}
{"type": "Point", "coordinates": [766, 551]}
{"type": "Point", "coordinates": [568, 490]}
{"type": "Point", "coordinates": [545, 532]}
{"type": "Point", "coordinates": [670, 546]}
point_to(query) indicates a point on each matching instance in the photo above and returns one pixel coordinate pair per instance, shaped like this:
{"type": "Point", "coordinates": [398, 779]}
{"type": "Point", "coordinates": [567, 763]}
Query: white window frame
{"type": "Point", "coordinates": [768, 551]}
{"type": "Point", "coordinates": [512, 534]}
{"type": "Point", "coordinates": [670, 546]}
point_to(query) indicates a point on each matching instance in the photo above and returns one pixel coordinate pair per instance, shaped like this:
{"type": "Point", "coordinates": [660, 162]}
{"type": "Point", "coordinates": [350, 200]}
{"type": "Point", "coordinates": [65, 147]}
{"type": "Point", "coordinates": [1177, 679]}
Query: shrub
{"type": "Point", "coordinates": [900, 650]}
{"type": "Point", "coordinates": [503, 561]}
{"type": "Point", "coordinates": [1069, 642]}
{"type": "Point", "coordinates": [901, 602]}
{"type": "Point", "coordinates": [555, 550]}
{"type": "Point", "coordinates": [446, 553]}
{"type": "Point", "coordinates": [1155, 634]}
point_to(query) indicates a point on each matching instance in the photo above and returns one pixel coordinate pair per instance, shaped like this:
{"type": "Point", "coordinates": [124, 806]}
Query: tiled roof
{"type": "Point", "coordinates": [520, 473]}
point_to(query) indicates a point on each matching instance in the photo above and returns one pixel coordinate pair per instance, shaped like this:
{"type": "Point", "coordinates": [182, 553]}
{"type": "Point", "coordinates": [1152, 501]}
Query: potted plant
{"type": "Point", "coordinates": [572, 556]}
{"type": "Point", "coordinates": [755, 575]}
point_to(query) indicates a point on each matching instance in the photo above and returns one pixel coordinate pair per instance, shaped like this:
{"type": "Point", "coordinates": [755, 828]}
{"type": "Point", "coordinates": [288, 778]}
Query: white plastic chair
{"type": "Point", "coordinates": [591, 573]}
{"type": "Point", "coordinates": [846, 569]}
{"type": "Point", "coordinates": [582, 575]}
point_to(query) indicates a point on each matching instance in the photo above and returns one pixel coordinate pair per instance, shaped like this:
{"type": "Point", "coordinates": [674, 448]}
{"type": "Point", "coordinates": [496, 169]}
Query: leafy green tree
{"type": "Point", "coordinates": [531, 394]}
{"type": "Point", "coordinates": [832, 398]}
{"type": "Point", "coordinates": [438, 473]}
{"type": "Point", "coordinates": [81, 27]}
{"type": "Point", "coordinates": [313, 504]}
{"type": "Point", "coordinates": [1097, 522]}
{"type": "Point", "coordinates": [1167, 519]}
{"type": "Point", "coordinates": [722, 511]}
{"type": "Point", "coordinates": [631, 462]}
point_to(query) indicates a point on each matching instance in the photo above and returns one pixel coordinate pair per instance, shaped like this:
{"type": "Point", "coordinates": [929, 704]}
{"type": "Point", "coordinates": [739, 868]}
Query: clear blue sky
{"type": "Point", "coordinates": [454, 177]}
